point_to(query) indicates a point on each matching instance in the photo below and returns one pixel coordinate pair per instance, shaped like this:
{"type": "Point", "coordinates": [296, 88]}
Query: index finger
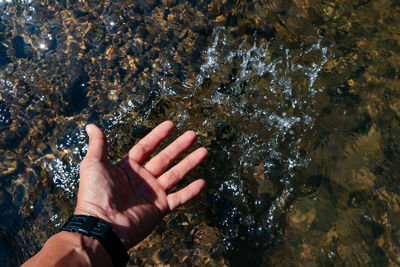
{"type": "Point", "coordinates": [143, 149]}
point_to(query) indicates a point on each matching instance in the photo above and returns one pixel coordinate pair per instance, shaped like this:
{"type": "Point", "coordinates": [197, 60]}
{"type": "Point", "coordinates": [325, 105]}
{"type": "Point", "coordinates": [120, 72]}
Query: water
{"type": "Point", "coordinates": [297, 102]}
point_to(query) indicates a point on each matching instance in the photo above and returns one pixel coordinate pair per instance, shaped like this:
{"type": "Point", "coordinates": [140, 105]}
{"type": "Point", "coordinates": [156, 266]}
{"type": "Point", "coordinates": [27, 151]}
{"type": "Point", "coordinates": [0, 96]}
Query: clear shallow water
{"type": "Point", "coordinates": [296, 101]}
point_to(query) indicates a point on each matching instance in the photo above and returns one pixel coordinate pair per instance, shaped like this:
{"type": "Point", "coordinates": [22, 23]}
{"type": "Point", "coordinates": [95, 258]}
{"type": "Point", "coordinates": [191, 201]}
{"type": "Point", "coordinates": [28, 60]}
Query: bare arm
{"type": "Point", "coordinates": [70, 249]}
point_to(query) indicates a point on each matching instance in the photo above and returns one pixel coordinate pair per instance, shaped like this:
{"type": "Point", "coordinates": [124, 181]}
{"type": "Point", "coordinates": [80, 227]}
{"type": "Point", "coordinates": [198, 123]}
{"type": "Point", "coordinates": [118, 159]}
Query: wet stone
{"type": "Point", "coordinates": [75, 96]}
{"type": "Point", "coordinates": [10, 224]}
{"type": "Point", "coordinates": [18, 45]}
{"type": "Point", "coordinates": [5, 116]}
{"type": "Point", "coordinates": [6, 209]}
{"type": "Point", "coordinates": [4, 59]}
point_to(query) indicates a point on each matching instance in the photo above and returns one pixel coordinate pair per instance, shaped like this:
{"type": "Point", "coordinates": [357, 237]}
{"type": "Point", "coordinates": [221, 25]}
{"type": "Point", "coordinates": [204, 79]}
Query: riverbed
{"type": "Point", "coordinates": [298, 103]}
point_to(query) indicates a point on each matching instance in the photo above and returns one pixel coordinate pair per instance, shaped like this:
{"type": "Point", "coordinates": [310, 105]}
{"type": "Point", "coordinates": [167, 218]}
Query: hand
{"type": "Point", "coordinates": [132, 196]}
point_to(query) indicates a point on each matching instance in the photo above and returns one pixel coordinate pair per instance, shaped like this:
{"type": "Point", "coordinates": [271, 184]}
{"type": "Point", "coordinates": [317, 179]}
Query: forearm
{"type": "Point", "coordinates": [71, 249]}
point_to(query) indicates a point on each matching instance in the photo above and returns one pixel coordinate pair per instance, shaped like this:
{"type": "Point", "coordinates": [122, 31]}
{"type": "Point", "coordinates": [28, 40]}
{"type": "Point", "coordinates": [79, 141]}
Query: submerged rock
{"type": "Point", "coordinates": [5, 116]}
{"type": "Point", "coordinates": [75, 96]}
{"type": "Point", "coordinates": [4, 59]}
{"type": "Point", "coordinates": [18, 45]}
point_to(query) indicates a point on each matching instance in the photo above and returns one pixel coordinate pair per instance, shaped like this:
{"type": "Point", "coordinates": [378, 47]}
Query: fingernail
{"type": "Point", "coordinates": [88, 129]}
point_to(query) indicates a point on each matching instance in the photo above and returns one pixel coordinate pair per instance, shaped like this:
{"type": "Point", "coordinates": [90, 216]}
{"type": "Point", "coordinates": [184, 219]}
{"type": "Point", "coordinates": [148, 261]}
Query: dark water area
{"type": "Point", "coordinates": [298, 103]}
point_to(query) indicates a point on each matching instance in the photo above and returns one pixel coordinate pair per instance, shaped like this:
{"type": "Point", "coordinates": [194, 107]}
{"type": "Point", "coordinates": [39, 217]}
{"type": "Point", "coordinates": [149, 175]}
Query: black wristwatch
{"type": "Point", "coordinates": [100, 230]}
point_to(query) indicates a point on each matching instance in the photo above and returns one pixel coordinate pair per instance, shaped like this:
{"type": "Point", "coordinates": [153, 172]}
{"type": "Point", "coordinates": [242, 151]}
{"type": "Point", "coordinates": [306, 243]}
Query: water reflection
{"type": "Point", "coordinates": [296, 101]}
{"type": "Point", "coordinates": [267, 96]}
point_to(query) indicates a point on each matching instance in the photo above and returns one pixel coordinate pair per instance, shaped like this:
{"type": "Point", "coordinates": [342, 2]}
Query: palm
{"type": "Point", "coordinates": [129, 195]}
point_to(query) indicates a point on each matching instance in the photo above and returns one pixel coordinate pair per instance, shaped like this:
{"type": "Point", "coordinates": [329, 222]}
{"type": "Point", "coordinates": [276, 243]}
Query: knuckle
{"type": "Point", "coordinates": [174, 176]}
{"type": "Point", "coordinates": [191, 161]}
{"type": "Point", "coordinates": [164, 159]}
{"type": "Point", "coordinates": [142, 146]}
{"type": "Point", "coordinates": [86, 163]}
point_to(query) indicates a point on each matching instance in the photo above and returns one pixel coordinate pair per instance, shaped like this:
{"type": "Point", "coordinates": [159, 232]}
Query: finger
{"type": "Point", "coordinates": [182, 196]}
{"type": "Point", "coordinates": [176, 173]}
{"type": "Point", "coordinates": [143, 149]}
{"type": "Point", "coordinates": [97, 149]}
{"type": "Point", "coordinates": [159, 163]}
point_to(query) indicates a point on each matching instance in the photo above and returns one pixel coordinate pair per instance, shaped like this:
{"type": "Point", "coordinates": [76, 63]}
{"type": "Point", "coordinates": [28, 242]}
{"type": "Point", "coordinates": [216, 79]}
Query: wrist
{"type": "Point", "coordinates": [101, 230]}
{"type": "Point", "coordinates": [87, 249]}
{"type": "Point", "coordinates": [118, 232]}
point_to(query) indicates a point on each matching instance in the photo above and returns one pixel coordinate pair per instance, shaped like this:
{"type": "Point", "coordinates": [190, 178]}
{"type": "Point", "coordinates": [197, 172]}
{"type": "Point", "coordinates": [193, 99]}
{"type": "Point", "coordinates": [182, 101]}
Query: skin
{"type": "Point", "coordinates": [131, 195]}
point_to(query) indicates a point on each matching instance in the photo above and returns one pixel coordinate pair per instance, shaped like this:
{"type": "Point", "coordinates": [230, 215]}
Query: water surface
{"type": "Point", "coordinates": [297, 102]}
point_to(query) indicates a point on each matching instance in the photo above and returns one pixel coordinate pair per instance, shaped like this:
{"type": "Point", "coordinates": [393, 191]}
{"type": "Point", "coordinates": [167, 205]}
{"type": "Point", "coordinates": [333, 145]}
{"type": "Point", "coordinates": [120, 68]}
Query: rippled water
{"type": "Point", "coordinates": [297, 102]}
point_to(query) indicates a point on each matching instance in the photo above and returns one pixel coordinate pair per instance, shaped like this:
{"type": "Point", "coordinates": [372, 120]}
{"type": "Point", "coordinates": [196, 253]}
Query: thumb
{"type": "Point", "coordinates": [97, 143]}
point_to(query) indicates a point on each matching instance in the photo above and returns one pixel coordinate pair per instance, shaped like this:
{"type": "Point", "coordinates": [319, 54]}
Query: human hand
{"type": "Point", "coordinates": [131, 196]}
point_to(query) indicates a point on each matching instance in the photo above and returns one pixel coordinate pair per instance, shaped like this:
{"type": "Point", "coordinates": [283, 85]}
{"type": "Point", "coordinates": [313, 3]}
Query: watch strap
{"type": "Point", "coordinates": [100, 230]}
